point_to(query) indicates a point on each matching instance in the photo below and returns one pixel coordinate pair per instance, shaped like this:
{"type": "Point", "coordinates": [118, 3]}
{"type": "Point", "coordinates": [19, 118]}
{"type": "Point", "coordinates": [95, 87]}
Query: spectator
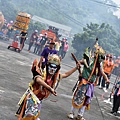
{"type": "Point", "coordinates": [43, 42]}
{"type": "Point", "coordinates": [108, 68]}
{"type": "Point", "coordinates": [62, 47]}
{"type": "Point", "coordinates": [4, 28]}
{"type": "Point", "coordinates": [33, 39]}
{"type": "Point", "coordinates": [37, 44]}
{"type": "Point", "coordinates": [10, 29]}
{"type": "Point", "coordinates": [66, 47]}
{"type": "Point", "coordinates": [16, 35]}
{"type": "Point", "coordinates": [23, 36]}
{"type": "Point", "coordinates": [116, 99]}
{"type": "Point", "coordinates": [46, 52]}
{"type": "Point", "coordinates": [57, 46]}
{"type": "Point", "coordinates": [116, 64]}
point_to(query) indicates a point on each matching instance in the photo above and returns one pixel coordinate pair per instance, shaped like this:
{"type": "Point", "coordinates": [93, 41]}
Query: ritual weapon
{"type": "Point", "coordinates": [75, 59]}
{"type": "Point", "coordinates": [58, 80]}
{"type": "Point", "coordinates": [76, 84]}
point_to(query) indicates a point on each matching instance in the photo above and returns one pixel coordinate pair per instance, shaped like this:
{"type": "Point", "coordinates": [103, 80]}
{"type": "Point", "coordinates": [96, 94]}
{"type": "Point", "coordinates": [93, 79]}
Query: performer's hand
{"type": "Point", "coordinates": [53, 91]}
{"type": "Point", "coordinates": [78, 65]}
{"type": "Point", "coordinates": [108, 81]}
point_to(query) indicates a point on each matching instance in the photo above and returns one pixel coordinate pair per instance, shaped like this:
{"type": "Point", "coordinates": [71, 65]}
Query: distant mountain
{"type": "Point", "coordinates": [73, 13]}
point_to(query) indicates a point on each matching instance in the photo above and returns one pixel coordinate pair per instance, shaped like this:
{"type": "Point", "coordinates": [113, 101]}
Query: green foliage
{"type": "Point", "coordinates": [35, 26]}
{"type": "Point", "coordinates": [8, 9]}
{"type": "Point", "coordinates": [73, 13]}
{"type": "Point", "coordinates": [107, 36]}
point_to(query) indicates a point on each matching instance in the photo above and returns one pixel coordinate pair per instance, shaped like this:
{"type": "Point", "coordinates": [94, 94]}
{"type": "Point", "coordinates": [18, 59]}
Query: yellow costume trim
{"type": "Point", "coordinates": [54, 59]}
{"type": "Point", "coordinates": [32, 117]}
{"type": "Point", "coordinates": [80, 84]}
{"type": "Point", "coordinates": [23, 97]}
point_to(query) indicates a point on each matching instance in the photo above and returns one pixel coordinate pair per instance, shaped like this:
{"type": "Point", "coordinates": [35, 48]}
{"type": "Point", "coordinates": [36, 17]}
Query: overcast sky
{"type": "Point", "coordinates": [117, 13]}
{"type": "Point", "coordinates": [117, 1]}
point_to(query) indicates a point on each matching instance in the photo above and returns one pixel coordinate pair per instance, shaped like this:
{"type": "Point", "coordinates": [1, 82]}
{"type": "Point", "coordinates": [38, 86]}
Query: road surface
{"type": "Point", "coordinates": [15, 74]}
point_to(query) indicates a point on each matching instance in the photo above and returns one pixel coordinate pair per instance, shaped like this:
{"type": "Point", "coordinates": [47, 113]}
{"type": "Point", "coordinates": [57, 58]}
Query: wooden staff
{"type": "Point", "coordinates": [76, 84]}
{"type": "Point", "coordinates": [74, 57]}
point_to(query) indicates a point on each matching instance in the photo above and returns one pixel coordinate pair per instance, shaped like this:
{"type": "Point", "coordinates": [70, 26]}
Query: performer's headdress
{"type": "Point", "coordinates": [99, 49]}
{"type": "Point", "coordinates": [100, 52]}
{"type": "Point", "coordinates": [86, 55]}
{"type": "Point", "coordinates": [54, 59]}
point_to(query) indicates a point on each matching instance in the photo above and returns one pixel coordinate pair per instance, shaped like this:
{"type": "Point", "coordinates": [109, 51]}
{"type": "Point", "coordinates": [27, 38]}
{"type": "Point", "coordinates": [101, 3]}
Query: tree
{"type": "Point", "coordinates": [8, 9]}
{"type": "Point", "coordinates": [107, 38]}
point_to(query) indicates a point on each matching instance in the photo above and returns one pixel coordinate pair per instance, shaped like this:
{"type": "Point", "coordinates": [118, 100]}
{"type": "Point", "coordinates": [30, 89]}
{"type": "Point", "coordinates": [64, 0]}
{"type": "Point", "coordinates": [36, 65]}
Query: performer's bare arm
{"type": "Point", "coordinates": [96, 81]}
{"type": "Point", "coordinates": [104, 75]}
{"type": "Point", "coordinates": [41, 59]}
{"type": "Point", "coordinates": [41, 82]}
{"type": "Point", "coordinates": [66, 74]}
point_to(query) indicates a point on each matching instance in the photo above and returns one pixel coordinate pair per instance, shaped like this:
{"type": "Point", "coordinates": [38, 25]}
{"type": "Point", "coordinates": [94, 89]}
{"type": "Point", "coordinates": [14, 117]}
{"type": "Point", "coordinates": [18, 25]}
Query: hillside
{"type": "Point", "coordinates": [75, 14]}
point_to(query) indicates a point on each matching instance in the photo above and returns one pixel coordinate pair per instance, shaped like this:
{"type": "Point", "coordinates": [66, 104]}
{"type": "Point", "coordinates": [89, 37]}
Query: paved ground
{"type": "Point", "coordinates": [15, 75]}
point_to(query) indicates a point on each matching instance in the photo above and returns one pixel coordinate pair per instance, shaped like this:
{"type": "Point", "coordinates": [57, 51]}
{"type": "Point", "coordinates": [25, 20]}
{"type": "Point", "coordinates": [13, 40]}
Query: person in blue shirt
{"type": "Point", "coordinates": [116, 99]}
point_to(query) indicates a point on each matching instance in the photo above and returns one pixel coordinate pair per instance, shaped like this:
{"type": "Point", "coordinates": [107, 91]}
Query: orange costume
{"type": "Point", "coordinates": [30, 103]}
{"type": "Point", "coordinates": [108, 68]}
{"type": "Point", "coordinates": [42, 85]}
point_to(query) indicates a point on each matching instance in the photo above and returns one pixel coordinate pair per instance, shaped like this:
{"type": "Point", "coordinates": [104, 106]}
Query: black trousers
{"type": "Point", "coordinates": [116, 103]}
{"type": "Point", "coordinates": [30, 45]}
{"type": "Point", "coordinates": [103, 81]}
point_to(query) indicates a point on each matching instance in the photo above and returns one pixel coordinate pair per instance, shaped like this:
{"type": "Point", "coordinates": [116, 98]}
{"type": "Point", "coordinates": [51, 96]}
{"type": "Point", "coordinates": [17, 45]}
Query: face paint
{"type": "Point", "coordinates": [52, 69]}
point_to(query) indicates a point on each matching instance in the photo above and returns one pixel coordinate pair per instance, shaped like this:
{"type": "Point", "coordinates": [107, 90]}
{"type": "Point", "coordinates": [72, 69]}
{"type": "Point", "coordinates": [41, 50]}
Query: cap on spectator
{"type": "Point", "coordinates": [11, 21]}
{"type": "Point", "coordinates": [36, 31]}
{"type": "Point", "coordinates": [118, 57]}
{"type": "Point", "coordinates": [41, 34]}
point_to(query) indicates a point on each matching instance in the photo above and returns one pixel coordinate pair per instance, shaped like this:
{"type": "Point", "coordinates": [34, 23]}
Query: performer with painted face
{"type": "Point", "coordinates": [44, 83]}
{"type": "Point", "coordinates": [88, 78]}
